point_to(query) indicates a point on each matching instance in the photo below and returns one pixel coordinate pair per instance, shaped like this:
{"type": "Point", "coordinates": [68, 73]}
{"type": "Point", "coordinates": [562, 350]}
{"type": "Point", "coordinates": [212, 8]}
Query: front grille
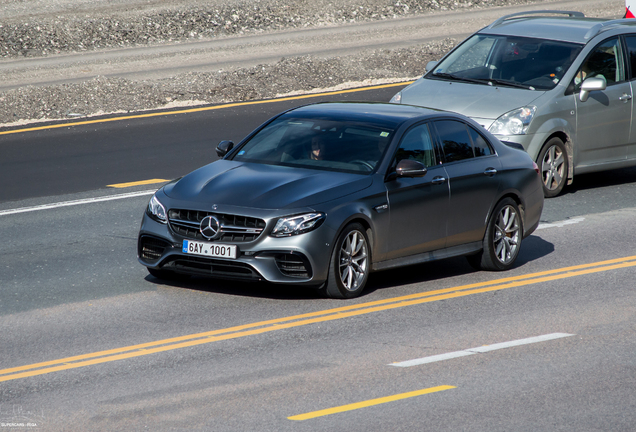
{"type": "Point", "coordinates": [215, 268]}
{"type": "Point", "coordinates": [234, 229]}
{"type": "Point", "coordinates": [294, 266]}
{"type": "Point", "coordinates": [151, 248]}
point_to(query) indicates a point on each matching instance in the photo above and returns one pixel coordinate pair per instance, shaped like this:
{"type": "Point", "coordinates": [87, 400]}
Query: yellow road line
{"type": "Point", "coordinates": [137, 183]}
{"type": "Point", "coordinates": [310, 318]}
{"type": "Point", "coordinates": [200, 109]}
{"type": "Point", "coordinates": [368, 403]}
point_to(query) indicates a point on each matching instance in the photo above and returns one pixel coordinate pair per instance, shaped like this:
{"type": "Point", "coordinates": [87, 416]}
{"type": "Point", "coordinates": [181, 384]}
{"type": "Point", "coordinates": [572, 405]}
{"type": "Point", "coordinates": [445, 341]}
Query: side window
{"type": "Point", "coordinates": [417, 145]}
{"type": "Point", "coordinates": [481, 146]}
{"type": "Point", "coordinates": [606, 60]}
{"type": "Point", "coordinates": [455, 140]}
{"type": "Point", "coordinates": [631, 48]}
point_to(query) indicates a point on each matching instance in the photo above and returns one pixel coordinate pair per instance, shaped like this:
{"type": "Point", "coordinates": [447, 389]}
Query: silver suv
{"type": "Point", "coordinates": [555, 82]}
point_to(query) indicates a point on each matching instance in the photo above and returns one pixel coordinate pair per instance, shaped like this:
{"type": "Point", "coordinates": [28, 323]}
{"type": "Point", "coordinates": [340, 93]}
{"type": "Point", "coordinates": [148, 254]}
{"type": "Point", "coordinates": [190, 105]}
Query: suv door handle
{"type": "Point", "coordinates": [625, 97]}
{"type": "Point", "coordinates": [490, 172]}
{"type": "Point", "coordinates": [438, 180]}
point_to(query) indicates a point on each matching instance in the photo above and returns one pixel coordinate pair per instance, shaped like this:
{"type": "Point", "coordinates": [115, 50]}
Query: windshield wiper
{"type": "Point", "coordinates": [509, 84]}
{"type": "Point", "coordinates": [458, 78]}
{"type": "Point", "coordinates": [483, 81]}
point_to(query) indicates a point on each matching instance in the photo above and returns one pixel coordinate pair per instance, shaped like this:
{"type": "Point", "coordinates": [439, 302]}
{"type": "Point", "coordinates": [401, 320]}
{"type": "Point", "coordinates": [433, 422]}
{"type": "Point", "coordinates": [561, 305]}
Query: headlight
{"type": "Point", "coordinates": [397, 98]}
{"type": "Point", "coordinates": [515, 122]}
{"type": "Point", "coordinates": [156, 210]}
{"type": "Point", "coordinates": [295, 225]}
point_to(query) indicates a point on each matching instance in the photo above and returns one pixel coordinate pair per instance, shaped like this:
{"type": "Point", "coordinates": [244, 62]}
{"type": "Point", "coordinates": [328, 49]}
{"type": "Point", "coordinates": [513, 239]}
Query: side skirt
{"type": "Point", "coordinates": [465, 249]}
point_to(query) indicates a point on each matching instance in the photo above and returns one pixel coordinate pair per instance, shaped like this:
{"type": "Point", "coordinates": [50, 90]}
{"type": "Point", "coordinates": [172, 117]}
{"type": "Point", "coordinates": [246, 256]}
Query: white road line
{"type": "Point", "coordinates": [481, 349]}
{"type": "Point", "coordinates": [75, 202]}
{"type": "Point", "coordinates": [561, 224]}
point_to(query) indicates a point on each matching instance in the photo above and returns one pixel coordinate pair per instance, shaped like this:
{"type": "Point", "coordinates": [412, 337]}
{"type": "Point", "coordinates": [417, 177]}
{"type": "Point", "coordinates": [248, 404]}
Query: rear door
{"type": "Point", "coordinates": [604, 120]}
{"type": "Point", "coordinates": [631, 50]}
{"type": "Point", "coordinates": [473, 170]}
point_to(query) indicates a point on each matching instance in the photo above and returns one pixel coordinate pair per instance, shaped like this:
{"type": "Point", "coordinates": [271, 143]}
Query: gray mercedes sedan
{"type": "Point", "coordinates": [324, 194]}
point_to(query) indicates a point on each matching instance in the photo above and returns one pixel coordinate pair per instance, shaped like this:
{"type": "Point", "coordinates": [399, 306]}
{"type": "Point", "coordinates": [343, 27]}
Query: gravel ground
{"type": "Point", "coordinates": [67, 27]}
{"type": "Point", "coordinates": [102, 95]}
{"type": "Point", "coordinates": [63, 26]}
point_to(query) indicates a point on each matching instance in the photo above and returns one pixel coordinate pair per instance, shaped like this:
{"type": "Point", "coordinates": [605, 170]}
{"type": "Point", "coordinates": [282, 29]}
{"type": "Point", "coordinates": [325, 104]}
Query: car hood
{"type": "Point", "coordinates": [230, 183]}
{"type": "Point", "coordinates": [472, 100]}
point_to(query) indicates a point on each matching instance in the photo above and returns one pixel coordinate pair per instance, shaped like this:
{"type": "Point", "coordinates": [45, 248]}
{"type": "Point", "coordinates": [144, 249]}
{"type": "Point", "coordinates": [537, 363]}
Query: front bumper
{"type": "Point", "coordinates": [301, 259]}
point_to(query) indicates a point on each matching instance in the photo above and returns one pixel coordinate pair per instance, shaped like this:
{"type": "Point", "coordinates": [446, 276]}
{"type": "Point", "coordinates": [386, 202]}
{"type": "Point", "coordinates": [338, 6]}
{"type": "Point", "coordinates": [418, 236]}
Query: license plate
{"type": "Point", "coordinates": [212, 250]}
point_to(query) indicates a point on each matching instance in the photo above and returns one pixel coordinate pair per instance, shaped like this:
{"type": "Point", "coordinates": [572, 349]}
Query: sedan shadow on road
{"type": "Point", "coordinates": [238, 288]}
{"type": "Point", "coordinates": [533, 248]}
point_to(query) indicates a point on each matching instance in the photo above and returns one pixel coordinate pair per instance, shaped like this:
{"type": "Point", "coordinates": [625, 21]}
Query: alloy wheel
{"type": "Point", "coordinates": [353, 260]}
{"type": "Point", "coordinates": [553, 168]}
{"type": "Point", "coordinates": [507, 234]}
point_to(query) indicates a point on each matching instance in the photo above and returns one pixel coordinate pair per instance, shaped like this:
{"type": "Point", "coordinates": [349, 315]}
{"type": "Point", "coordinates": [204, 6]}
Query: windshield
{"type": "Point", "coordinates": [508, 60]}
{"type": "Point", "coordinates": [329, 144]}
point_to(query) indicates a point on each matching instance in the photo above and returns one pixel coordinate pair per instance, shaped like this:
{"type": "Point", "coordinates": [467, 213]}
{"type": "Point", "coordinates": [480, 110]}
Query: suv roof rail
{"type": "Point", "coordinates": [571, 14]}
{"type": "Point", "coordinates": [604, 26]}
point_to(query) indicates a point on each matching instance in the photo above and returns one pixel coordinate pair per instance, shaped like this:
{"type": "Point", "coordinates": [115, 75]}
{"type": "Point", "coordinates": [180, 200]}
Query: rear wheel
{"type": "Point", "coordinates": [502, 240]}
{"type": "Point", "coordinates": [553, 163]}
{"type": "Point", "coordinates": [349, 265]}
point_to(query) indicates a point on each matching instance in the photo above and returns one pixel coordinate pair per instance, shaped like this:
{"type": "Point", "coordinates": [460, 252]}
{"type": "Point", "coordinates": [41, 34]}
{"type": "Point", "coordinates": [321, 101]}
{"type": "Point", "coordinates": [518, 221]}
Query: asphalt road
{"type": "Point", "coordinates": [90, 341]}
{"type": "Point", "coordinates": [83, 157]}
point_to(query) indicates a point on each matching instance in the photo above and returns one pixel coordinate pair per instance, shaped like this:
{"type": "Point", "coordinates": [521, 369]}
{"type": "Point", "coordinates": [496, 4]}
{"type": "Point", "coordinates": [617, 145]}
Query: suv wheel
{"type": "Point", "coordinates": [553, 163]}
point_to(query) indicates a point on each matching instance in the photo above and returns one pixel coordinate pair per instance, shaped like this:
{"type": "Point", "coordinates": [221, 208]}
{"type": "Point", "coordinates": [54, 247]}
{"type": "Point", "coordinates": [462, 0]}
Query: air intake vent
{"type": "Point", "coordinates": [294, 266]}
{"type": "Point", "coordinates": [208, 267]}
{"type": "Point", "coordinates": [151, 248]}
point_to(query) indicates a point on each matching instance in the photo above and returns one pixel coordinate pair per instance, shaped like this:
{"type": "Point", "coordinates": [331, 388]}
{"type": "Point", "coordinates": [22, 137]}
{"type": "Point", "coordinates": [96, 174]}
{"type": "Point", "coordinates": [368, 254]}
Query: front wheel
{"type": "Point", "coordinates": [349, 265]}
{"type": "Point", "coordinates": [553, 162]}
{"type": "Point", "coordinates": [502, 240]}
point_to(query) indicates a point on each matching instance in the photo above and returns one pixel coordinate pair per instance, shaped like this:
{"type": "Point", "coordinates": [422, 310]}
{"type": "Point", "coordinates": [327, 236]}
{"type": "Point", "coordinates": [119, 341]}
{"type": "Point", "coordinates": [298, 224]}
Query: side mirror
{"type": "Point", "coordinates": [590, 85]}
{"type": "Point", "coordinates": [224, 147]}
{"type": "Point", "coordinates": [410, 168]}
{"type": "Point", "coordinates": [431, 65]}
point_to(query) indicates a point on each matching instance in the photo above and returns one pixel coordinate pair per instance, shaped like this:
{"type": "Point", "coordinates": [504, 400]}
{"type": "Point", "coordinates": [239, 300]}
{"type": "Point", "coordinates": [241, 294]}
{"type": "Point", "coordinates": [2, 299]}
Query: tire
{"type": "Point", "coordinates": [349, 265]}
{"type": "Point", "coordinates": [553, 164]}
{"type": "Point", "coordinates": [502, 240]}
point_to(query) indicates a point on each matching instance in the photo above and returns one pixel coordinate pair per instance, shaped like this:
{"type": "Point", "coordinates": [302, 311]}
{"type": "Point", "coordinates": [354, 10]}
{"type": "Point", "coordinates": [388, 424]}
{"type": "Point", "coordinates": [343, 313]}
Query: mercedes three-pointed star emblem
{"type": "Point", "coordinates": [210, 227]}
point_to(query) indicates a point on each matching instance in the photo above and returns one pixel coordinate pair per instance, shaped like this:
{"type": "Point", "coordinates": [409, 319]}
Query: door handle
{"type": "Point", "coordinates": [625, 97]}
{"type": "Point", "coordinates": [490, 172]}
{"type": "Point", "coordinates": [438, 180]}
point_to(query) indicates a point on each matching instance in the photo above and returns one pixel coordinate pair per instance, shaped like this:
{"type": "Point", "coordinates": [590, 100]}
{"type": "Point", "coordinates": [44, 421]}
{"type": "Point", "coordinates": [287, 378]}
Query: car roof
{"type": "Point", "coordinates": [567, 26]}
{"type": "Point", "coordinates": [387, 113]}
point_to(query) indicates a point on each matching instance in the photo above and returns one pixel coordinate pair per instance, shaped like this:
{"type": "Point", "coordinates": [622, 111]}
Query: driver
{"type": "Point", "coordinates": [318, 144]}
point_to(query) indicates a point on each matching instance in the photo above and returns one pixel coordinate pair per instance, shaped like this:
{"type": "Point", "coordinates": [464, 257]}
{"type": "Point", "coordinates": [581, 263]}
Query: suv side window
{"type": "Point", "coordinates": [631, 49]}
{"type": "Point", "coordinates": [605, 60]}
{"type": "Point", "coordinates": [417, 145]}
{"type": "Point", "coordinates": [480, 145]}
{"type": "Point", "coordinates": [455, 140]}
